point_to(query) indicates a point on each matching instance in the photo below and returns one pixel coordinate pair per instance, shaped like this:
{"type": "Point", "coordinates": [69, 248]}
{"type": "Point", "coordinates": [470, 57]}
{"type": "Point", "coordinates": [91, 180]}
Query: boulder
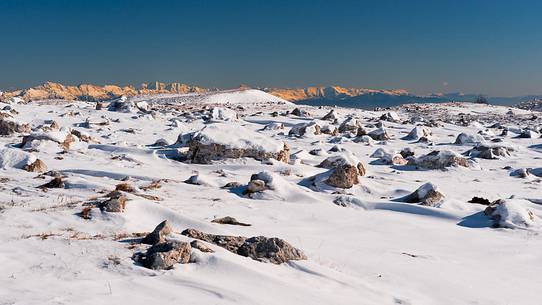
{"type": "Point", "coordinates": [165, 255]}
{"type": "Point", "coordinates": [464, 138]}
{"type": "Point", "coordinates": [37, 166]}
{"type": "Point", "coordinates": [511, 213]}
{"type": "Point", "coordinates": [351, 124]}
{"type": "Point", "coordinates": [330, 116]}
{"type": "Point", "coordinates": [345, 170]}
{"type": "Point", "coordinates": [490, 151]}
{"type": "Point", "coordinates": [273, 250]}
{"type": "Point", "coordinates": [427, 194]}
{"type": "Point", "coordinates": [57, 182]}
{"type": "Point", "coordinates": [260, 248]}
{"type": "Point", "coordinates": [10, 126]}
{"type": "Point", "coordinates": [390, 116]}
{"type": "Point", "coordinates": [116, 203]}
{"type": "Point", "coordinates": [223, 114]}
{"type": "Point", "coordinates": [305, 129]}
{"type": "Point", "coordinates": [390, 158]}
{"type": "Point", "coordinates": [419, 132]}
{"type": "Point", "coordinates": [158, 235]}
{"type": "Point", "coordinates": [379, 134]}
{"type": "Point", "coordinates": [529, 134]}
{"type": "Point", "coordinates": [223, 140]}
{"type": "Point", "coordinates": [439, 159]}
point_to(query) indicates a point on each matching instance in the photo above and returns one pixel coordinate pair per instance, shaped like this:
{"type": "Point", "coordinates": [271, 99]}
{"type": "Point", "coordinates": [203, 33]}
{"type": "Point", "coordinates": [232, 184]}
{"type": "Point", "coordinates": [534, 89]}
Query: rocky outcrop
{"type": "Point", "coordinates": [260, 248]}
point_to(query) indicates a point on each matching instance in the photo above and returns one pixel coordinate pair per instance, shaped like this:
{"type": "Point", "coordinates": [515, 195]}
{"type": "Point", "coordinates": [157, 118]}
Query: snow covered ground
{"type": "Point", "coordinates": [363, 246]}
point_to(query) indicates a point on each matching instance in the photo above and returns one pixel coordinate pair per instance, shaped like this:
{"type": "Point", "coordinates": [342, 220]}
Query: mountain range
{"type": "Point", "coordinates": [315, 96]}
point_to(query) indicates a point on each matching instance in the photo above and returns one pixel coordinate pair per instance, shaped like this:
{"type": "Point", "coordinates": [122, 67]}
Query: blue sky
{"type": "Point", "coordinates": [491, 47]}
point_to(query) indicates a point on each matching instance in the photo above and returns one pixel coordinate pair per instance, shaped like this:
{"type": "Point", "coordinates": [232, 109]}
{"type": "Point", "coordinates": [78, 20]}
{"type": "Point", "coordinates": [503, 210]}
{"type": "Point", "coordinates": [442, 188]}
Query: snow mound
{"type": "Point", "coordinates": [514, 214]}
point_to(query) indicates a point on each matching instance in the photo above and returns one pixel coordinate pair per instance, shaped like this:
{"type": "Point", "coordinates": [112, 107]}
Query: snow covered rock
{"type": "Point", "coordinates": [223, 114]}
{"type": "Point", "coordinates": [221, 140]}
{"type": "Point", "coordinates": [9, 126]}
{"type": "Point", "coordinates": [260, 248]}
{"type": "Point", "coordinates": [390, 158]}
{"type": "Point", "coordinates": [379, 134]}
{"type": "Point", "coordinates": [274, 126]}
{"type": "Point", "coordinates": [158, 235]}
{"type": "Point", "coordinates": [15, 158]}
{"type": "Point", "coordinates": [491, 151]}
{"type": "Point", "coordinates": [63, 137]}
{"type": "Point", "coordinates": [427, 194]}
{"type": "Point", "coordinates": [529, 134]}
{"type": "Point", "coordinates": [512, 214]}
{"type": "Point", "coordinates": [390, 116]}
{"type": "Point", "coordinates": [37, 166]}
{"type": "Point", "coordinates": [330, 116]}
{"type": "Point", "coordinates": [345, 170]}
{"type": "Point", "coordinates": [439, 159]}
{"type": "Point", "coordinates": [165, 255]}
{"type": "Point", "coordinates": [305, 129]}
{"type": "Point", "coordinates": [464, 138]}
{"type": "Point", "coordinates": [351, 124]}
{"type": "Point", "coordinates": [419, 132]}
{"type": "Point", "coordinates": [300, 113]}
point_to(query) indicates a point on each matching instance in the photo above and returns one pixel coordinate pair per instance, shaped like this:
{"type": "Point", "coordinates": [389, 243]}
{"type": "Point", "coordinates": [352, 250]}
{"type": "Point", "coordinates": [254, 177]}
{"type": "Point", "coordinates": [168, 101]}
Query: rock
{"type": "Point", "coordinates": [344, 176]}
{"type": "Point", "coordinates": [230, 243]}
{"type": "Point", "coordinates": [529, 134]}
{"type": "Point", "coordinates": [37, 166]}
{"type": "Point", "coordinates": [419, 132]}
{"type": "Point", "coordinates": [407, 152]}
{"type": "Point", "coordinates": [274, 126]}
{"type": "Point", "coordinates": [255, 186]}
{"type": "Point", "coordinates": [9, 126]}
{"type": "Point", "coordinates": [390, 158]}
{"type": "Point", "coordinates": [490, 151]}
{"type": "Point", "coordinates": [439, 160]}
{"type": "Point", "coordinates": [260, 248]}
{"type": "Point", "coordinates": [464, 138]}
{"type": "Point", "coordinates": [300, 112]}
{"type": "Point", "coordinates": [198, 244]}
{"type": "Point", "coordinates": [480, 200]}
{"type": "Point", "coordinates": [351, 124]}
{"type": "Point", "coordinates": [390, 116]}
{"type": "Point", "coordinates": [115, 204]}
{"type": "Point", "coordinates": [165, 255]}
{"type": "Point", "coordinates": [330, 116]}
{"type": "Point", "coordinates": [161, 143]}
{"type": "Point", "coordinates": [511, 213]}
{"type": "Point", "coordinates": [226, 140]}
{"type": "Point", "coordinates": [308, 129]}
{"type": "Point", "coordinates": [223, 114]}
{"type": "Point", "coordinates": [427, 194]}
{"type": "Point", "coordinates": [230, 221]}
{"type": "Point", "coordinates": [273, 250]}
{"type": "Point", "coordinates": [379, 134]}
{"type": "Point", "coordinates": [57, 182]}
{"type": "Point", "coordinates": [158, 235]}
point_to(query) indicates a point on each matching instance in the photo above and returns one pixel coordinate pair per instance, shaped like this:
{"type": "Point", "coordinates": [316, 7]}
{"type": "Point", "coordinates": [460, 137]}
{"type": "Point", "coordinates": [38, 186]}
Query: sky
{"type": "Point", "coordinates": [490, 47]}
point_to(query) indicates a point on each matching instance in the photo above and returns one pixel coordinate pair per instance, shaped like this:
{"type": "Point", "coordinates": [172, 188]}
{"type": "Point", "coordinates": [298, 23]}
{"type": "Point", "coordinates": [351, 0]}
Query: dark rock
{"type": "Point", "coordinates": [158, 235]}
{"type": "Point", "coordinates": [230, 221]}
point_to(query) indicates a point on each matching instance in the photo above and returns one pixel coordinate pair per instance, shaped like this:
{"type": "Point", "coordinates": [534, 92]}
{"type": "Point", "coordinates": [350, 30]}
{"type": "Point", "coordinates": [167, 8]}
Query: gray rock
{"type": "Point", "coordinates": [165, 255]}
{"type": "Point", "coordinates": [158, 235]}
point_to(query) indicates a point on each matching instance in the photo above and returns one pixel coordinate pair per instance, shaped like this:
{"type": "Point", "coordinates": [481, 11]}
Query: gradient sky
{"type": "Point", "coordinates": [491, 47]}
